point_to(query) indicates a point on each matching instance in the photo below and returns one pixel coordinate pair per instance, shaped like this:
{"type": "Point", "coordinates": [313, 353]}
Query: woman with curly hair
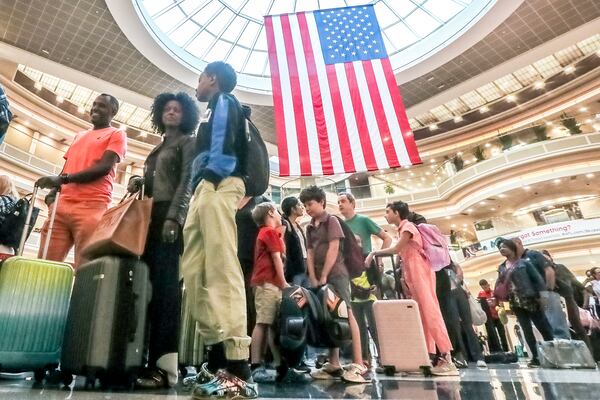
{"type": "Point", "coordinates": [167, 180]}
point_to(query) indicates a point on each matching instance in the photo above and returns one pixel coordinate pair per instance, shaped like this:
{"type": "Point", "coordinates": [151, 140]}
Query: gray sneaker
{"type": "Point", "coordinates": [261, 375]}
{"type": "Point", "coordinates": [225, 386]}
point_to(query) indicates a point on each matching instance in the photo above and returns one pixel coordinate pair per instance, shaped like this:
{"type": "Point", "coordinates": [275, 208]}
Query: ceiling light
{"type": "Point", "coordinates": [539, 84]}
{"type": "Point", "coordinates": [447, 217]}
{"type": "Point", "coordinates": [467, 162]}
{"type": "Point", "coordinates": [453, 226]}
{"type": "Point", "coordinates": [464, 225]}
{"type": "Point", "coordinates": [502, 195]}
{"type": "Point", "coordinates": [80, 110]}
{"type": "Point", "coordinates": [458, 118]}
{"type": "Point", "coordinates": [527, 187]}
{"type": "Point", "coordinates": [60, 99]}
{"type": "Point", "coordinates": [433, 127]}
{"type": "Point", "coordinates": [412, 174]}
{"type": "Point", "coordinates": [459, 153]}
{"type": "Point", "coordinates": [423, 178]}
{"type": "Point", "coordinates": [469, 210]}
{"type": "Point", "coordinates": [583, 109]}
{"type": "Point", "coordinates": [484, 109]}
{"type": "Point", "coordinates": [488, 145]}
{"type": "Point", "coordinates": [511, 98]}
{"type": "Point", "coordinates": [549, 123]}
{"type": "Point", "coordinates": [482, 203]}
{"type": "Point", "coordinates": [588, 121]}
{"type": "Point", "coordinates": [427, 173]}
{"type": "Point", "coordinates": [556, 181]}
{"type": "Point", "coordinates": [27, 123]}
{"type": "Point", "coordinates": [590, 175]}
{"type": "Point", "coordinates": [570, 69]}
{"type": "Point", "coordinates": [37, 85]}
{"type": "Point", "coordinates": [492, 209]}
{"type": "Point", "coordinates": [143, 134]}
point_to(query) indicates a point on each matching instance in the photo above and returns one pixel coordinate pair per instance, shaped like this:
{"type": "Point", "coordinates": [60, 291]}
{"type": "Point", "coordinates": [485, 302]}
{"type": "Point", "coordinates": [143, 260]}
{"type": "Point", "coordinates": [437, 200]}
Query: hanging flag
{"type": "Point", "coordinates": [336, 103]}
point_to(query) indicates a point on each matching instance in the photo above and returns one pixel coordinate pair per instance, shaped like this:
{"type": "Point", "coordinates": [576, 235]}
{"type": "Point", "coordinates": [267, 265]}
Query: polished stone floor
{"type": "Point", "coordinates": [496, 383]}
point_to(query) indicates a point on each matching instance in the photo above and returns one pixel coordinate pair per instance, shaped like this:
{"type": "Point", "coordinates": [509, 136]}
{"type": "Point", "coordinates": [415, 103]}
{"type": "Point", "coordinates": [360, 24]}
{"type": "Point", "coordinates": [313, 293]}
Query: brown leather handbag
{"type": "Point", "coordinates": [123, 229]}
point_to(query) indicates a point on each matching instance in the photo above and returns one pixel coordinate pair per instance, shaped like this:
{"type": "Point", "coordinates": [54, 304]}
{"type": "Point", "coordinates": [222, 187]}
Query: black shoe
{"type": "Point", "coordinates": [152, 379]}
{"type": "Point", "coordinates": [302, 367]}
{"type": "Point", "coordinates": [534, 363]}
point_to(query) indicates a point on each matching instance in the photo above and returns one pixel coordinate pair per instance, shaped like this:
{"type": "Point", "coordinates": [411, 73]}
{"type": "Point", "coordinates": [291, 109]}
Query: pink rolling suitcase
{"type": "Point", "coordinates": [402, 345]}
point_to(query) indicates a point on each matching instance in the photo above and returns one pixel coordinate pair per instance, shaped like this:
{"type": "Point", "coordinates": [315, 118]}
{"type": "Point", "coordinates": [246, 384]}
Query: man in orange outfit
{"type": "Point", "coordinates": [86, 181]}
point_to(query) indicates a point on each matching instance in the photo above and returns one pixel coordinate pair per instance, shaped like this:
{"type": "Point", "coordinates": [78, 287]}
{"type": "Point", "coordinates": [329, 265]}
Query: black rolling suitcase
{"type": "Point", "coordinates": [105, 333]}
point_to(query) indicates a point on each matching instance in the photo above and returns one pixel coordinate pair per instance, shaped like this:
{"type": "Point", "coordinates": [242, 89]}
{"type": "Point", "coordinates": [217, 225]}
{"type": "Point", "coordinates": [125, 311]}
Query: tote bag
{"type": "Point", "coordinates": [122, 230]}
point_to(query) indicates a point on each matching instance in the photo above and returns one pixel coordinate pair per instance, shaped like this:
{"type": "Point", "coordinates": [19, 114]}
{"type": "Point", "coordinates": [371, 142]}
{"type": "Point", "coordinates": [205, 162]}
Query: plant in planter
{"type": "Point", "coordinates": [458, 162]}
{"type": "Point", "coordinates": [479, 153]}
{"type": "Point", "coordinates": [506, 141]}
{"type": "Point", "coordinates": [541, 132]}
{"type": "Point", "coordinates": [389, 188]}
{"type": "Point", "coordinates": [570, 123]}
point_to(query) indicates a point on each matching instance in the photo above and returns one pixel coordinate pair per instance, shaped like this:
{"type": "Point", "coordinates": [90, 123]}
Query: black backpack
{"type": "Point", "coordinates": [13, 222]}
{"type": "Point", "coordinates": [255, 161]}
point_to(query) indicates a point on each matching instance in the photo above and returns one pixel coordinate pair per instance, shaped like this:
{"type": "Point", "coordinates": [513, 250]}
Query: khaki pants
{"type": "Point", "coordinates": [211, 271]}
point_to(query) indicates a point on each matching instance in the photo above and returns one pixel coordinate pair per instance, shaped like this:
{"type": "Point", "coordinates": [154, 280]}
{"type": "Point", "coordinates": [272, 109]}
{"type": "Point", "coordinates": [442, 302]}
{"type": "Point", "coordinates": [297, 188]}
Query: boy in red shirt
{"type": "Point", "coordinates": [267, 281]}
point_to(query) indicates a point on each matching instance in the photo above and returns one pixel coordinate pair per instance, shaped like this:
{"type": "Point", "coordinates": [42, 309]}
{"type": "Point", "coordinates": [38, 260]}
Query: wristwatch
{"type": "Point", "coordinates": [65, 179]}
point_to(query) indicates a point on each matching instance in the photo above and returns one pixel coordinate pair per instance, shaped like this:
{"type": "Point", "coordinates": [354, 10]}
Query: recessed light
{"type": "Point", "coordinates": [447, 217]}
{"type": "Point", "coordinates": [488, 145]}
{"type": "Point", "coordinates": [45, 51]}
{"type": "Point", "coordinates": [527, 187]}
{"type": "Point", "coordinates": [37, 85]}
{"type": "Point", "coordinates": [502, 195]}
{"type": "Point", "coordinates": [459, 153]}
{"type": "Point", "coordinates": [453, 226]}
{"type": "Point", "coordinates": [511, 98]}
{"type": "Point", "coordinates": [469, 210]}
{"type": "Point", "coordinates": [484, 109]}
{"type": "Point", "coordinates": [430, 78]}
{"type": "Point", "coordinates": [482, 203]}
{"type": "Point", "coordinates": [433, 127]}
{"type": "Point", "coordinates": [464, 225]}
{"type": "Point", "coordinates": [570, 69]}
{"type": "Point", "coordinates": [423, 178]}
{"type": "Point", "coordinates": [590, 175]}
{"type": "Point", "coordinates": [467, 162]}
{"type": "Point", "coordinates": [549, 123]}
{"type": "Point", "coordinates": [60, 99]}
{"type": "Point", "coordinates": [492, 209]}
{"type": "Point", "coordinates": [458, 118]}
{"type": "Point", "coordinates": [432, 160]}
{"type": "Point", "coordinates": [583, 109]}
{"type": "Point", "coordinates": [539, 84]}
{"type": "Point", "coordinates": [588, 121]}
{"type": "Point", "coordinates": [556, 181]}
{"type": "Point", "coordinates": [412, 174]}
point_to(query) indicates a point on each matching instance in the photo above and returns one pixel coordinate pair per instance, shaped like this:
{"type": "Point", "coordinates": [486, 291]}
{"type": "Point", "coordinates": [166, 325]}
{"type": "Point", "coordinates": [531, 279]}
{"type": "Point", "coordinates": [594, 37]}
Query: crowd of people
{"type": "Point", "coordinates": [237, 253]}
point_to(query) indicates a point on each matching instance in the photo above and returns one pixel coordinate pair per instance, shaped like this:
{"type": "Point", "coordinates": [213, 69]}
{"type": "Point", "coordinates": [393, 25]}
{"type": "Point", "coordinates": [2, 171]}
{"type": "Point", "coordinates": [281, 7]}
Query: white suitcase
{"type": "Point", "coordinates": [402, 345]}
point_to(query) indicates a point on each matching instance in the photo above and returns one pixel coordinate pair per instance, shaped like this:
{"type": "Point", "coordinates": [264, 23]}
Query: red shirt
{"type": "Point", "coordinates": [268, 241]}
{"type": "Point", "coordinates": [491, 300]}
{"type": "Point", "coordinates": [87, 149]}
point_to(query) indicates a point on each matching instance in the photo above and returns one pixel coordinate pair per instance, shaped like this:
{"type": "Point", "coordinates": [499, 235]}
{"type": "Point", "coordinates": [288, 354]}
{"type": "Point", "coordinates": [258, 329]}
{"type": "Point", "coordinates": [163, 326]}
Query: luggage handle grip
{"type": "Point", "coordinates": [28, 222]}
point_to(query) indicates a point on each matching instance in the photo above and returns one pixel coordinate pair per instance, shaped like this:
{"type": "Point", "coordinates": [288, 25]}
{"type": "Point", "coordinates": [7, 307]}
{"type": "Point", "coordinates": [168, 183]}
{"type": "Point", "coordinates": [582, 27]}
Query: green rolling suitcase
{"type": "Point", "coordinates": [34, 301]}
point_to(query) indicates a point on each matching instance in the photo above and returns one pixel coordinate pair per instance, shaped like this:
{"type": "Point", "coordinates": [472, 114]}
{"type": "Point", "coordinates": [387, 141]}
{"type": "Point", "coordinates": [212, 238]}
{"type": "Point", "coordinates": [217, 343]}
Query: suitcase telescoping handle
{"type": "Point", "coordinates": [28, 222]}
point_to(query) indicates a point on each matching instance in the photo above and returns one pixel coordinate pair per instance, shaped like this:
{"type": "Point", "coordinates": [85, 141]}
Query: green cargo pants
{"type": "Point", "coordinates": [211, 271]}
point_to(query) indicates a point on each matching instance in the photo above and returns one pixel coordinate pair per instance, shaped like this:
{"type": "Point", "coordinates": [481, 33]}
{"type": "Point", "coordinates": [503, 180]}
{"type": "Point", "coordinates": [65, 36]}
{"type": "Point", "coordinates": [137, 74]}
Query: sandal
{"type": "Point", "coordinates": [152, 379]}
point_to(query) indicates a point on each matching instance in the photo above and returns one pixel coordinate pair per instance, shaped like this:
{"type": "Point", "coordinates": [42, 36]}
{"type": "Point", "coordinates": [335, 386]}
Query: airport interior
{"type": "Point", "coordinates": [501, 99]}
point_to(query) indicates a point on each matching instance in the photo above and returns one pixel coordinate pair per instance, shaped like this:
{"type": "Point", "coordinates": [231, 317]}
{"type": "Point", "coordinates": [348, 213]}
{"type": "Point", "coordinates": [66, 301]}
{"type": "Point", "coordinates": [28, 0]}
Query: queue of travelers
{"type": "Point", "coordinates": [237, 253]}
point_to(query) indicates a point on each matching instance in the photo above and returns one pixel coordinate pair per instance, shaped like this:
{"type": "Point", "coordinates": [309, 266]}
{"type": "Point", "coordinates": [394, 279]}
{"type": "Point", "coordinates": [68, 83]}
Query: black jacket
{"type": "Point", "coordinates": [171, 179]}
{"type": "Point", "coordinates": [219, 145]}
{"type": "Point", "coordinates": [294, 262]}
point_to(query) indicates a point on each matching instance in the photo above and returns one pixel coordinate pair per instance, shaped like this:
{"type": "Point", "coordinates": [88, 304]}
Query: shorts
{"type": "Point", "coordinates": [341, 284]}
{"type": "Point", "coordinates": [267, 299]}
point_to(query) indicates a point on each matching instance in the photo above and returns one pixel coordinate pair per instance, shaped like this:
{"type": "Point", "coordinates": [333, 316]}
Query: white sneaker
{"type": "Point", "coordinates": [481, 364]}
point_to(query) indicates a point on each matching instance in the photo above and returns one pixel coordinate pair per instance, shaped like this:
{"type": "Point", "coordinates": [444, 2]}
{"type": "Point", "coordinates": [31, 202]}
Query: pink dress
{"type": "Point", "coordinates": [420, 279]}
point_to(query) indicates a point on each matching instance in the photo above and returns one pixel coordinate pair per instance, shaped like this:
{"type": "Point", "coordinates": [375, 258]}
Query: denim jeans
{"type": "Point", "coordinates": [555, 315]}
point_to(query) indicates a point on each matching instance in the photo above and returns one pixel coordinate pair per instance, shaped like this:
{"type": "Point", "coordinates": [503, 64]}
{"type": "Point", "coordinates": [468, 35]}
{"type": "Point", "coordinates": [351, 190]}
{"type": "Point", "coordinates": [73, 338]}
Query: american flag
{"type": "Point", "coordinates": [337, 106]}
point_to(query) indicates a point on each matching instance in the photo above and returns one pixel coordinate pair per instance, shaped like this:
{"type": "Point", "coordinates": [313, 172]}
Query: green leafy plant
{"type": "Point", "coordinates": [570, 123]}
{"type": "Point", "coordinates": [458, 162]}
{"type": "Point", "coordinates": [506, 141]}
{"type": "Point", "coordinates": [389, 188]}
{"type": "Point", "coordinates": [541, 132]}
{"type": "Point", "coordinates": [479, 153]}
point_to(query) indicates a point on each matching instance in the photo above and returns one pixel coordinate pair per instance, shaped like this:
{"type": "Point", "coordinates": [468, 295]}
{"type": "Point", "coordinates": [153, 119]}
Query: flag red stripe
{"type": "Point", "coordinates": [317, 101]}
{"type": "Point", "coordinates": [384, 129]}
{"type": "Point", "coordinates": [340, 121]}
{"type": "Point", "coordinates": [359, 114]}
{"type": "Point", "coordinates": [284, 164]}
{"type": "Point", "coordinates": [303, 150]}
{"type": "Point", "coordinates": [407, 134]}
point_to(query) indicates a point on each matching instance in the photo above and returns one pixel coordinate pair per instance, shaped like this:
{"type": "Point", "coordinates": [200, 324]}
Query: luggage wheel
{"type": "Point", "coordinates": [39, 375]}
{"type": "Point", "coordinates": [389, 370]}
{"type": "Point", "coordinates": [426, 370]}
{"type": "Point", "coordinates": [66, 378]}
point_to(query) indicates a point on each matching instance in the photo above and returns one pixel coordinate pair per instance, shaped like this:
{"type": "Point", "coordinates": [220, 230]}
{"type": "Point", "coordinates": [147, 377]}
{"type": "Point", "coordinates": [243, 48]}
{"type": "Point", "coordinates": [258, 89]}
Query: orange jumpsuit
{"type": "Point", "coordinates": [420, 279]}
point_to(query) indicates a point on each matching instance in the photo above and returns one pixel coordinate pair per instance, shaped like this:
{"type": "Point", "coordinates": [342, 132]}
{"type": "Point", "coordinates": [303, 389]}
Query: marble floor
{"type": "Point", "coordinates": [496, 383]}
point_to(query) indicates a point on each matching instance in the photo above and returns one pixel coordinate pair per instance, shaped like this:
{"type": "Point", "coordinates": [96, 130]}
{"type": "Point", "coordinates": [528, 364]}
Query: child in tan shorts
{"type": "Point", "coordinates": [267, 282]}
